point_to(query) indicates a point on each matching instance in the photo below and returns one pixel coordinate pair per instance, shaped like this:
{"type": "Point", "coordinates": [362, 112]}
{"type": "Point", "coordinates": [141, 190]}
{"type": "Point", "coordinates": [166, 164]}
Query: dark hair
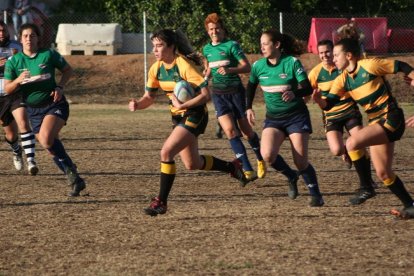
{"type": "Point", "coordinates": [326, 42]}
{"type": "Point", "coordinates": [350, 45]}
{"type": "Point", "coordinates": [180, 42]}
{"type": "Point", "coordinates": [31, 26]}
{"type": "Point", "coordinates": [7, 34]}
{"type": "Point", "coordinates": [288, 44]}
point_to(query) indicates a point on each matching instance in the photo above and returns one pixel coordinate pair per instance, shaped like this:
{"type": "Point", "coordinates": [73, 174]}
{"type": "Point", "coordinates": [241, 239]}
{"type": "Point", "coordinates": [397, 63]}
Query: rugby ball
{"type": "Point", "coordinates": [183, 91]}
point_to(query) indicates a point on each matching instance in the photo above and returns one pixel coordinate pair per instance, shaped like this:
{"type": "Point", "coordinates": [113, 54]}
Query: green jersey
{"type": "Point", "coordinates": [36, 90]}
{"type": "Point", "coordinates": [226, 54]}
{"type": "Point", "coordinates": [274, 80]}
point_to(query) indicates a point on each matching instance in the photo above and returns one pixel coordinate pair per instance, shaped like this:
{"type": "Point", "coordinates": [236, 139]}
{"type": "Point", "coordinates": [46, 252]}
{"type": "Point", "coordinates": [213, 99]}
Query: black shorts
{"type": "Point", "coordinates": [347, 123]}
{"type": "Point", "coordinates": [194, 122]}
{"type": "Point", "coordinates": [394, 124]}
{"type": "Point", "coordinates": [7, 105]}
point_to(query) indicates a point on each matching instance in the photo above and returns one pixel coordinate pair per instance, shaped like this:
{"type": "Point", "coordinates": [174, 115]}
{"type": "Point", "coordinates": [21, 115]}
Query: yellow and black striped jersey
{"type": "Point", "coordinates": [165, 76]}
{"type": "Point", "coordinates": [323, 77]}
{"type": "Point", "coordinates": [367, 87]}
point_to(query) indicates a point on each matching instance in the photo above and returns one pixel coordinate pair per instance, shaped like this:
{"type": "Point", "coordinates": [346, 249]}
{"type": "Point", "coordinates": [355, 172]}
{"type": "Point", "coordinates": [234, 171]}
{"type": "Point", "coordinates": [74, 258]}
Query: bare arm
{"type": "Point", "coordinates": [11, 86]}
{"type": "Point", "coordinates": [145, 101]}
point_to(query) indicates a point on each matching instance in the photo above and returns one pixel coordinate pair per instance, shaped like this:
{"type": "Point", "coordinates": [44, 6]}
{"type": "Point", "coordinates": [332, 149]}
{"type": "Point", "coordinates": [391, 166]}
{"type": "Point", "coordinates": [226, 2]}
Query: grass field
{"type": "Point", "coordinates": [213, 227]}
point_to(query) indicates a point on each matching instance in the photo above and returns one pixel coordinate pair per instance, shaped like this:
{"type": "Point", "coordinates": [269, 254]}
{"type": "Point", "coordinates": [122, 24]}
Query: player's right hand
{"type": "Point", "coordinates": [251, 117]}
{"type": "Point", "coordinates": [316, 95]}
{"type": "Point", "coordinates": [133, 105]}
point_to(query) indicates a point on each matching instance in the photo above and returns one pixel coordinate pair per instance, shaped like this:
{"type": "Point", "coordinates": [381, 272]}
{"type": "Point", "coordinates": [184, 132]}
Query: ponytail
{"type": "Point", "coordinates": [288, 44]}
{"type": "Point", "coordinates": [184, 47]}
{"type": "Point", "coordinates": [180, 42]}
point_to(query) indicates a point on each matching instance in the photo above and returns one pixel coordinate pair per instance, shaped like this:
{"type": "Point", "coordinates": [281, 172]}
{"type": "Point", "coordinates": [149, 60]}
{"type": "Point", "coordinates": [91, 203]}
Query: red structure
{"type": "Point", "coordinates": [375, 30]}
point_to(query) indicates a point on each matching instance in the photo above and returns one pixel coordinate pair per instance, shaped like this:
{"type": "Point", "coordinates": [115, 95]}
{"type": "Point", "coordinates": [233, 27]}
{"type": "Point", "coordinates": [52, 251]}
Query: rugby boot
{"type": "Point", "coordinates": [316, 201]}
{"type": "Point", "coordinates": [238, 172]}
{"type": "Point", "coordinates": [362, 195]}
{"type": "Point", "coordinates": [32, 167]}
{"type": "Point", "coordinates": [406, 213]}
{"type": "Point", "coordinates": [250, 175]}
{"type": "Point", "coordinates": [77, 187]}
{"type": "Point", "coordinates": [157, 207]}
{"type": "Point", "coordinates": [18, 161]}
{"type": "Point", "coordinates": [293, 186]}
{"type": "Point", "coordinates": [261, 169]}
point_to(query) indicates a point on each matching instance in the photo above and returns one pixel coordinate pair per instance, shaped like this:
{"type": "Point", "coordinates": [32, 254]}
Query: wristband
{"type": "Point", "coordinates": [58, 86]}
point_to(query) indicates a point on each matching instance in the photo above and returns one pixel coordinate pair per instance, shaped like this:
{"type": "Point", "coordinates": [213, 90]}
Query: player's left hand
{"type": "Point", "coordinates": [287, 96]}
{"type": "Point", "coordinates": [223, 70]}
{"type": "Point", "coordinates": [57, 94]}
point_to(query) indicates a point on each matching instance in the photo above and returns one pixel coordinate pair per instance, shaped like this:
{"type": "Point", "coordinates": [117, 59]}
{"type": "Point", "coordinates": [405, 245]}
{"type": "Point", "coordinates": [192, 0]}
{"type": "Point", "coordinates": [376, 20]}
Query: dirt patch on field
{"type": "Point", "coordinates": [213, 227]}
{"type": "Point", "coordinates": [115, 79]}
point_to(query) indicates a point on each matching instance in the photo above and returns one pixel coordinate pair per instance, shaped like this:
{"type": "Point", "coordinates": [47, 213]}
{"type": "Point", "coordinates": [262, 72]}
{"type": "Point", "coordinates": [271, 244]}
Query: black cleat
{"type": "Point", "coordinates": [361, 196]}
{"type": "Point", "coordinates": [406, 213]}
{"type": "Point", "coordinates": [293, 186]}
{"type": "Point", "coordinates": [238, 172]}
{"type": "Point", "coordinates": [157, 207]}
{"type": "Point", "coordinates": [77, 187]}
{"type": "Point", "coordinates": [316, 201]}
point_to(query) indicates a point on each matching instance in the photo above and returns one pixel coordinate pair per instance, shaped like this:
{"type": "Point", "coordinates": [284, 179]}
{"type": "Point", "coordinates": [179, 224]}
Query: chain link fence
{"type": "Point", "coordinates": [399, 28]}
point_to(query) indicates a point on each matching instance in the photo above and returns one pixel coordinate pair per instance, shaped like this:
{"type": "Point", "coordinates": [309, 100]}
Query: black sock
{"type": "Point", "coordinates": [363, 169]}
{"type": "Point", "coordinates": [311, 180]}
{"type": "Point", "coordinates": [212, 163]}
{"type": "Point", "coordinates": [281, 166]}
{"type": "Point", "coordinates": [167, 177]}
{"type": "Point", "coordinates": [398, 189]}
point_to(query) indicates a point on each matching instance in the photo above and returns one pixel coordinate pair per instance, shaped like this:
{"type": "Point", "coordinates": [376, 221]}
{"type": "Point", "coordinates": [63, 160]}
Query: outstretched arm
{"type": "Point", "coordinates": [144, 102]}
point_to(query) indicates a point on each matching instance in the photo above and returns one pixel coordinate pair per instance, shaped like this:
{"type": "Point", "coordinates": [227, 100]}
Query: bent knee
{"type": "Point", "coordinates": [45, 141]}
{"type": "Point", "coordinates": [268, 157]}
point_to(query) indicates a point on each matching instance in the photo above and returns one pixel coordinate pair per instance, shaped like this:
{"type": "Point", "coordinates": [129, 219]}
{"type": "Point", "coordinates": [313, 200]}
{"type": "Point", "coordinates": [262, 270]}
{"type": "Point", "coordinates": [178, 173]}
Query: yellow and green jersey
{"type": "Point", "coordinates": [323, 77]}
{"type": "Point", "coordinates": [274, 80]}
{"type": "Point", "coordinates": [226, 54]}
{"type": "Point", "coordinates": [165, 76]}
{"type": "Point", "coordinates": [36, 90]}
{"type": "Point", "coordinates": [366, 86]}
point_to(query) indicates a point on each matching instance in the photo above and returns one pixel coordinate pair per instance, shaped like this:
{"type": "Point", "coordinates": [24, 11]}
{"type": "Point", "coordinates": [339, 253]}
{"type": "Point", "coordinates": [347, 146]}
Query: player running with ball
{"type": "Point", "coordinates": [189, 118]}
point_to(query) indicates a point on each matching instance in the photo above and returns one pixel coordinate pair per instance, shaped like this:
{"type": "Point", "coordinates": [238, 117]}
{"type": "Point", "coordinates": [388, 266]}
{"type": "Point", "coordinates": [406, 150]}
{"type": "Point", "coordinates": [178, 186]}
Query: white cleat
{"type": "Point", "coordinates": [18, 162]}
{"type": "Point", "coordinates": [32, 168]}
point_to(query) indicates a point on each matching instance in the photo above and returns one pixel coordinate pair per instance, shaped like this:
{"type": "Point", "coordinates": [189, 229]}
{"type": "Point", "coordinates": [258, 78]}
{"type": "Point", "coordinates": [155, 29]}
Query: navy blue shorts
{"type": "Point", "coordinates": [231, 103]}
{"type": "Point", "coordinates": [37, 114]}
{"type": "Point", "coordinates": [297, 123]}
